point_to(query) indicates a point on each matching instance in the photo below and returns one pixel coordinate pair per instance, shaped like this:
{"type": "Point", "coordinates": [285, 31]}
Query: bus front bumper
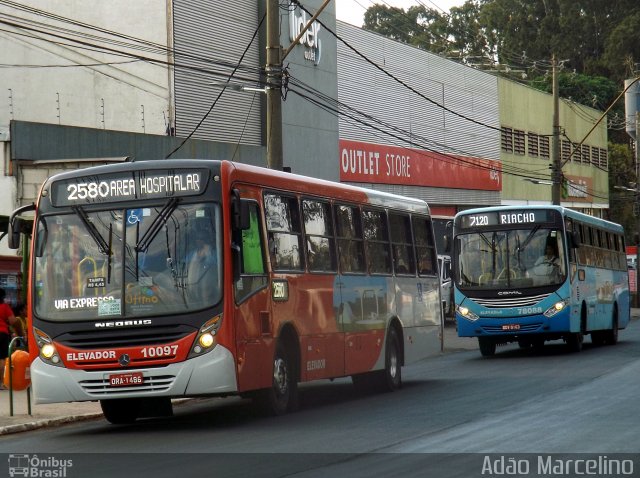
{"type": "Point", "coordinates": [210, 374]}
{"type": "Point", "coordinates": [515, 326]}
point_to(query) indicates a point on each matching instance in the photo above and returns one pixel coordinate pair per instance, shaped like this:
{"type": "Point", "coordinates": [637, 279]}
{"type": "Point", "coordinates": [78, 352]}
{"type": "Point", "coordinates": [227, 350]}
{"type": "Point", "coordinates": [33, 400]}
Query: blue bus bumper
{"type": "Point", "coordinates": [516, 326]}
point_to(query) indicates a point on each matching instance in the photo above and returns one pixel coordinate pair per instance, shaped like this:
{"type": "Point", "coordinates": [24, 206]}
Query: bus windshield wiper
{"type": "Point", "coordinates": [104, 247]}
{"type": "Point", "coordinates": [162, 217]}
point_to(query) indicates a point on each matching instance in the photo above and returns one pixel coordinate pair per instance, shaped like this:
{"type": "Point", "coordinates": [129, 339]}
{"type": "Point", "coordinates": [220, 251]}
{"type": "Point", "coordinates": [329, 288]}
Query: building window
{"type": "Point", "coordinates": [586, 154]}
{"type": "Point", "coordinates": [518, 142]}
{"type": "Point", "coordinates": [506, 138]}
{"type": "Point", "coordinates": [565, 150]}
{"type": "Point", "coordinates": [595, 156]}
{"type": "Point", "coordinates": [603, 158]}
{"type": "Point", "coordinates": [544, 147]}
{"type": "Point", "coordinates": [533, 145]}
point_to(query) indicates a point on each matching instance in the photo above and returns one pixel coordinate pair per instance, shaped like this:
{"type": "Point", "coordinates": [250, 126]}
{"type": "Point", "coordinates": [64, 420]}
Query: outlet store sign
{"type": "Point", "coordinates": [310, 40]}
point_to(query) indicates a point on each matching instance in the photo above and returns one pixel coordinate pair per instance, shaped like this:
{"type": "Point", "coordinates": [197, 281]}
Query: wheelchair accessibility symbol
{"type": "Point", "coordinates": [134, 216]}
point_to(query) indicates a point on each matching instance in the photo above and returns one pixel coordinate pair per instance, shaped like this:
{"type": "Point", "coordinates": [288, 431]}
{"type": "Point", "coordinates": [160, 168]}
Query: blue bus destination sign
{"type": "Point", "coordinates": [507, 218]}
{"type": "Point", "coordinates": [127, 186]}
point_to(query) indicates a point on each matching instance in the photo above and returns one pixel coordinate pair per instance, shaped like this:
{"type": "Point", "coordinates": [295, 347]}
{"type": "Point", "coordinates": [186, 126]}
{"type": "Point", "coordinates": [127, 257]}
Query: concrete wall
{"type": "Point", "coordinates": [55, 81]}
{"type": "Point", "coordinates": [530, 110]}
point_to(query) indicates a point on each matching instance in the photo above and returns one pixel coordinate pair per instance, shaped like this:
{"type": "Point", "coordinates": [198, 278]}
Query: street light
{"type": "Point", "coordinates": [237, 87]}
{"type": "Point", "coordinates": [538, 181]}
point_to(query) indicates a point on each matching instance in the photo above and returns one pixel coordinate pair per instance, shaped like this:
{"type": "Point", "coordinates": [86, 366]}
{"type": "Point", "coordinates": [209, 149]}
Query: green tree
{"type": "Point", "coordinates": [622, 175]}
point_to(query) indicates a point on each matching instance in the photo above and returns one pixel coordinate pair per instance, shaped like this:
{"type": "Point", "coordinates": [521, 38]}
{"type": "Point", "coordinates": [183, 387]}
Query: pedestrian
{"type": "Point", "coordinates": [20, 327]}
{"type": "Point", "coordinates": [7, 319]}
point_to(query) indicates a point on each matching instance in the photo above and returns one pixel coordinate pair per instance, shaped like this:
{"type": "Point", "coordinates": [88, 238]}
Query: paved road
{"type": "Point", "coordinates": [454, 411]}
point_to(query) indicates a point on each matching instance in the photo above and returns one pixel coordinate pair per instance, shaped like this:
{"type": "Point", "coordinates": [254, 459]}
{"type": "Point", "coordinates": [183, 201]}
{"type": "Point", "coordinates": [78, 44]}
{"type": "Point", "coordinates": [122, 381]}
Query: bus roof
{"type": "Point", "coordinates": [264, 177]}
{"type": "Point", "coordinates": [319, 187]}
{"type": "Point", "coordinates": [566, 212]}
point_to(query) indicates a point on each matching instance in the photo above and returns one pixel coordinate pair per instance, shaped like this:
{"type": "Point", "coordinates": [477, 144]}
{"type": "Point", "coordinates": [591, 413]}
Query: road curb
{"type": "Point", "coordinates": [49, 422]}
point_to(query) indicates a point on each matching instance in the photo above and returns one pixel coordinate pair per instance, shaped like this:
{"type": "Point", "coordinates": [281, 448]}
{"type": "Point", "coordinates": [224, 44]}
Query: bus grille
{"type": "Point", "coordinates": [100, 388]}
{"type": "Point", "coordinates": [509, 302]}
{"type": "Point", "coordinates": [491, 329]}
{"type": "Point", "coordinates": [124, 338]}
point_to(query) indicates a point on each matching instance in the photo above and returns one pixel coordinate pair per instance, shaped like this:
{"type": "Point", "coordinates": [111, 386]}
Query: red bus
{"type": "Point", "coordinates": [181, 278]}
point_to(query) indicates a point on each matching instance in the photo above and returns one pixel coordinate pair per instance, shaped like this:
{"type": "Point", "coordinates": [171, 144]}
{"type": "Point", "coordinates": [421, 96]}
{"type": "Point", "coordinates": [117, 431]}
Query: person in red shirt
{"type": "Point", "coordinates": [6, 319]}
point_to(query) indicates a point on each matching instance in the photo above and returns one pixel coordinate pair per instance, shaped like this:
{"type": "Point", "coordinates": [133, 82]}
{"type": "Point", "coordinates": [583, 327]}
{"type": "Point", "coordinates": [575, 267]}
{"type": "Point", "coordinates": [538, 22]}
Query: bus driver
{"type": "Point", "coordinates": [547, 266]}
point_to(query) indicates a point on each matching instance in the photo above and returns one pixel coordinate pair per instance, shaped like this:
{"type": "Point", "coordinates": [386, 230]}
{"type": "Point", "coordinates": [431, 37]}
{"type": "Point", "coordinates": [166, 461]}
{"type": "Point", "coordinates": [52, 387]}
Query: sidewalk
{"type": "Point", "coordinates": [59, 413]}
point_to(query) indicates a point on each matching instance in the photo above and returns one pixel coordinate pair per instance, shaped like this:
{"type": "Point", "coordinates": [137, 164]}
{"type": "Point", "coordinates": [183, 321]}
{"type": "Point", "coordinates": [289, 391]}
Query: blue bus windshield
{"type": "Point", "coordinates": [517, 258]}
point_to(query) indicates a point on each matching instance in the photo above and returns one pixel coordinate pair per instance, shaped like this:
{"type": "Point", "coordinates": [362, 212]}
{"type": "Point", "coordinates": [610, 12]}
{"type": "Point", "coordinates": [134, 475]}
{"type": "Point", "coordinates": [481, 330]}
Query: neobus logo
{"type": "Point", "coordinates": [123, 323]}
{"type": "Point", "coordinates": [510, 292]}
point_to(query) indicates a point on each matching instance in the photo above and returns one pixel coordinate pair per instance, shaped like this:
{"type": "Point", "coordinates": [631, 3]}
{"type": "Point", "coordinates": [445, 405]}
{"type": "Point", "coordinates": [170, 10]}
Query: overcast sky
{"type": "Point", "coordinates": [352, 11]}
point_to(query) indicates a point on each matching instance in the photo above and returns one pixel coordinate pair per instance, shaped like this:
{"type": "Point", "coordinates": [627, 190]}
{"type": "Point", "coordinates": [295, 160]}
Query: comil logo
{"type": "Point", "coordinates": [33, 465]}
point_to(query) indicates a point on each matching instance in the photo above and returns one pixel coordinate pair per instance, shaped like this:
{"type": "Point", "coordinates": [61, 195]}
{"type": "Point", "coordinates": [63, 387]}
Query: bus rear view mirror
{"type": "Point", "coordinates": [18, 226]}
{"type": "Point", "coordinates": [240, 212]}
{"type": "Point", "coordinates": [13, 236]}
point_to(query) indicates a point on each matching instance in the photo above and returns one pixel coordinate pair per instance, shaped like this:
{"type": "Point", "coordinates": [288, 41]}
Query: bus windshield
{"type": "Point", "coordinates": [127, 262]}
{"type": "Point", "coordinates": [518, 258]}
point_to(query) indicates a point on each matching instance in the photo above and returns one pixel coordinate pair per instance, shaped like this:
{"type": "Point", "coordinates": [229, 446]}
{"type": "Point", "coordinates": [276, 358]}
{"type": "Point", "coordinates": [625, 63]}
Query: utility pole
{"type": "Point", "coordinates": [273, 70]}
{"type": "Point", "coordinates": [556, 167]}
{"type": "Point", "coordinates": [637, 208]}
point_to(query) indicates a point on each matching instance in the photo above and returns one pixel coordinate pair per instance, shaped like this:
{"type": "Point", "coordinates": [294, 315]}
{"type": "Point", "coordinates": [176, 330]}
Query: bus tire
{"type": "Point", "coordinates": [392, 363]}
{"type": "Point", "coordinates": [120, 411]}
{"type": "Point", "coordinates": [487, 346]}
{"type": "Point", "coordinates": [611, 335]}
{"type": "Point", "coordinates": [283, 394]}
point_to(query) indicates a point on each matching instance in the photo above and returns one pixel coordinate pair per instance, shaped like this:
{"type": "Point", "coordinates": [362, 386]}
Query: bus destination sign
{"type": "Point", "coordinates": [506, 218]}
{"type": "Point", "coordinates": [127, 186]}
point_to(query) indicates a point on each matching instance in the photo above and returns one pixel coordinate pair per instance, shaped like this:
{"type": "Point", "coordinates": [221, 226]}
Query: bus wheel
{"type": "Point", "coordinates": [487, 346]}
{"type": "Point", "coordinates": [282, 396]}
{"type": "Point", "coordinates": [392, 363]}
{"type": "Point", "coordinates": [120, 411]}
{"type": "Point", "coordinates": [389, 379]}
{"type": "Point", "coordinates": [574, 341]}
{"type": "Point", "coordinates": [611, 336]}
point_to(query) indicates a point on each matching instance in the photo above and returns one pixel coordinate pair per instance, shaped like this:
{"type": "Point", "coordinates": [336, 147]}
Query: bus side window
{"type": "Point", "coordinates": [376, 239]}
{"type": "Point", "coordinates": [350, 242]}
{"type": "Point", "coordinates": [320, 242]}
{"type": "Point", "coordinates": [425, 249]}
{"type": "Point", "coordinates": [253, 275]}
{"type": "Point", "coordinates": [285, 232]}
{"type": "Point", "coordinates": [403, 260]}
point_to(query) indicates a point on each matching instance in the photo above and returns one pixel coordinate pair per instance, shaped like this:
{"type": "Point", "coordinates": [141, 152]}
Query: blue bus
{"type": "Point", "coordinates": [529, 274]}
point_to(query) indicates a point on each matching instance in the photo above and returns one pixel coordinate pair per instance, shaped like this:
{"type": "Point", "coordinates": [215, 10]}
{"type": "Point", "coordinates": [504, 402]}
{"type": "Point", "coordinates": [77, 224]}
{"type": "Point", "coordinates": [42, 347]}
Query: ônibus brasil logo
{"type": "Point", "coordinates": [32, 465]}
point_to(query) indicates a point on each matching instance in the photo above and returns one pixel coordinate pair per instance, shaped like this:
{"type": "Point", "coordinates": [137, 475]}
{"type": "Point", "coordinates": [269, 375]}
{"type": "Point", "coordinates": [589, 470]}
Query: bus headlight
{"type": "Point", "coordinates": [555, 308]}
{"type": "Point", "coordinates": [466, 313]}
{"type": "Point", "coordinates": [48, 352]}
{"type": "Point", "coordinates": [206, 339]}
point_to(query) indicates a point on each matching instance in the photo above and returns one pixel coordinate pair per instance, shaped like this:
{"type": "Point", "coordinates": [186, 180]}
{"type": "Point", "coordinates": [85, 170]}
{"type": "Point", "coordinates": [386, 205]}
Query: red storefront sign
{"type": "Point", "coordinates": [376, 163]}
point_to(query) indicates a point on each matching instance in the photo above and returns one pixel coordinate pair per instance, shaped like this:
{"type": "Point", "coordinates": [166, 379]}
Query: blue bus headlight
{"type": "Point", "coordinates": [466, 313]}
{"type": "Point", "coordinates": [555, 308]}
